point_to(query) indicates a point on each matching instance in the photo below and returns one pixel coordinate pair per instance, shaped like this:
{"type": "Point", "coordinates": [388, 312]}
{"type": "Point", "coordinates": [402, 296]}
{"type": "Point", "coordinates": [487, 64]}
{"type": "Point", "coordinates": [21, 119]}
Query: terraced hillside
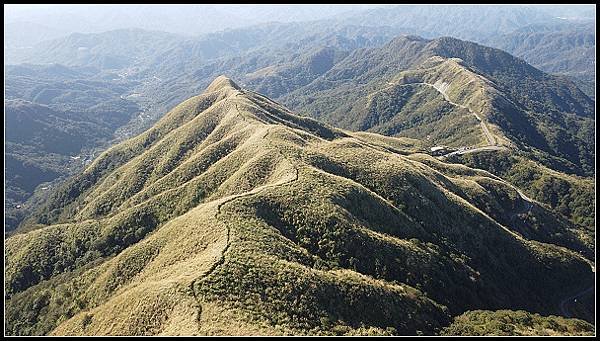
{"type": "Point", "coordinates": [231, 215]}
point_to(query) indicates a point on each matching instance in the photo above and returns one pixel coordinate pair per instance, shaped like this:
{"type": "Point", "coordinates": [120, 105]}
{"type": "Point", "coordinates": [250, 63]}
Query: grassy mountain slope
{"type": "Point", "coordinates": [128, 96]}
{"type": "Point", "coordinates": [458, 86]}
{"type": "Point", "coordinates": [570, 195]}
{"type": "Point", "coordinates": [233, 216]}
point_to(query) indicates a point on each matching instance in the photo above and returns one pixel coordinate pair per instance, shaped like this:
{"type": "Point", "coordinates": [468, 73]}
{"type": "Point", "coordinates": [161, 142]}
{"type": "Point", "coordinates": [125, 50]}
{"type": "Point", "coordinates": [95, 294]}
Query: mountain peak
{"type": "Point", "coordinates": [405, 39]}
{"type": "Point", "coordinates": [222, 82]}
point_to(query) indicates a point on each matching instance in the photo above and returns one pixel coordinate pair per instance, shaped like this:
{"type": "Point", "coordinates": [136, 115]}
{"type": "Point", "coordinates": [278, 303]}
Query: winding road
{"type": "Point", "coordinates": [442, 87]}
{"type": "Point", "coordinates": [472, 150]}
{"type": "Point", "coordinates": [564, 310]}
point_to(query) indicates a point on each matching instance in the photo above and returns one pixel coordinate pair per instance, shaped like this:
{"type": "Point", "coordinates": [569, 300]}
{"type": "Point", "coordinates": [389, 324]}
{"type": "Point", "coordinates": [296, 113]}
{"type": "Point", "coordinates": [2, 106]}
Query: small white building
{"type": "Point", "coordinates": [439, 150]}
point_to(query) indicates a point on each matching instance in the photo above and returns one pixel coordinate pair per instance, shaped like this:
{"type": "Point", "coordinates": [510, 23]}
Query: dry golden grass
{"type": "Point", "coordinates": [233, 216]}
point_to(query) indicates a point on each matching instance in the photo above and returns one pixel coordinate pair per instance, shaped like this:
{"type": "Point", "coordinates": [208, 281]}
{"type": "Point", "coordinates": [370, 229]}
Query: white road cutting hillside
{"type": "Point", "coordinates": [442, 88]}
{"type": "Point", "coordinates": [468, 150]}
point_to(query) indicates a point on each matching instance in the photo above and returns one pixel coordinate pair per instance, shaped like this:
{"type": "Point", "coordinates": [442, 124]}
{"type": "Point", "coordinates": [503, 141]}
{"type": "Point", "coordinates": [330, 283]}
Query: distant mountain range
{"type": "Point", "coordinates": [27, 25]}
{"type": "Point", "coordinates": [505, 27]}
{"type": "Point", "coordinates": [559, 48]}
{"type": "Point", "coordinates": [55, 118]}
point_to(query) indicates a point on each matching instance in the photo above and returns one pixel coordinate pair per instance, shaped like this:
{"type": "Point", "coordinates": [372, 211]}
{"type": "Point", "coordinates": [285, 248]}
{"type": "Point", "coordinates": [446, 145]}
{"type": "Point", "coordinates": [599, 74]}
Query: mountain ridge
{"type": "Point", "coordinates": [341, 221]}
{"type": "Point", "coordinates": [520, 105]}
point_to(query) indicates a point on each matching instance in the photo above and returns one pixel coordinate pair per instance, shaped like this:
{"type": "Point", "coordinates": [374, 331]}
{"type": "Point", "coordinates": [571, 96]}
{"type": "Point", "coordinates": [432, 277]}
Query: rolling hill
{"type": "Point", "coordinates": [55, 117]}
{"type": "Point", "coordinates": [111, 78]}
{"type": "Point", "coordinates": [458, 93]}
{"type": "Point", "coordinates": [460, 21]}
{"type": "Point", "coordinates": [266, 58]}
{"type": "Point", "coordinates": [232, 215]}
{"type": "Point", "coordinates": [566, 48]}
{"type": "Point", "coordinates": [115, 49]}
{"type": "Point", "coordinates": [344, 77]}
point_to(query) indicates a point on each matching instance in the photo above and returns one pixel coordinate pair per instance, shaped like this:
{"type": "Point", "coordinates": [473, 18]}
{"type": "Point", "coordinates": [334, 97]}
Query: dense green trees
{"type": "Point", "coordinates": [571, 196]}
{"type": "Point", "coordinates": [515, 323]}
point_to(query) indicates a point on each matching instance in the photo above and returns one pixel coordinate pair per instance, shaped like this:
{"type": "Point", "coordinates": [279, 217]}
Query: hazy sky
{"type": "Point", "coordinates": [184, 19]}
{"type": "Point", "coordinates": [26, 25]}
